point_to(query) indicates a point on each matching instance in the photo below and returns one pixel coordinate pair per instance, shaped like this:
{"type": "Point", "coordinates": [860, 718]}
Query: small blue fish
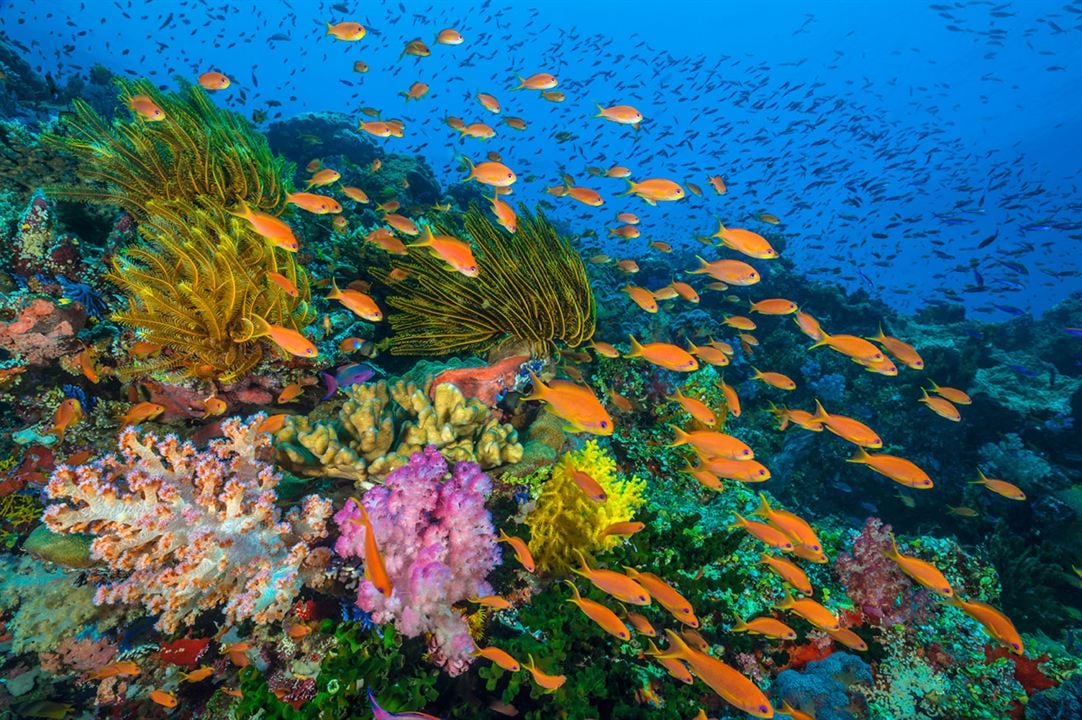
{"type": "Point", "coordinates": [346, 375]}
{"type": "Point", "coordinates": [381, 714]}
{"type": "Point", "coordinates": [1022, 370]}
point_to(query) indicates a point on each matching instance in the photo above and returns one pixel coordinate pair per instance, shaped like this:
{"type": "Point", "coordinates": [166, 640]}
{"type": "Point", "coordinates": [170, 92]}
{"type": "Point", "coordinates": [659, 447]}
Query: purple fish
{"type": "Point", "coordinates": [382, 714]}
{"type": "Point", "coordinates": [346, 375]}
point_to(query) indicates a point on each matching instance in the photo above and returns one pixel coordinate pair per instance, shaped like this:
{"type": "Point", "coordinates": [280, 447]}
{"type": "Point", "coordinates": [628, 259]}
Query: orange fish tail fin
{"type": "Point", "coordinates": [786, 602]}
{"type": "Point", "coordinates": [585, 571]}
{"type": "Point", "coordinates": [764, 508]}
{"type": "Point", "coordinates": [820, 412]}
{"type": "Point", "coordinates": [574, 589]}
{"type": "Point", "coordinates": [636, 348]}
{"type": "Point", "coordinates": [262, 327]}
{"type": "Point", "coordinates": [682, 650]}
{"type": "Point", "coordinates": [682, 438]}
{"type": "Point", "coordinates": [740, 625]}
{"type": "Point", "coordinates": [630, 187]}
{"type": "Point", "coordinates": [740, 521]}
{"type": "Point", "coordinates": [758, 374]}
{"type": "Point", "coordinates": [824, 340]}
{"type": "Point", "coordinates": [335, 292]}
{"type": "Point", "coordinates": [861, 457]}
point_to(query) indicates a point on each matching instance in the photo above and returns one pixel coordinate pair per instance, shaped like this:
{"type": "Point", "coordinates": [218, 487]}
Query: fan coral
{"type": "Point", "coordinates": [187, 530]}
{"type": "Point", "coordinates": [565, 519]}
{"type": "Point", "coordinates": [203, 152]}
{"type": "Point", "coordinates": [200, 288]}
{"type": "Point", "coordinates": [532, 292]}
{"type": "Point", "coordinates": [438, 546]}
{"type": "Point", "coordinates": [381, 425]}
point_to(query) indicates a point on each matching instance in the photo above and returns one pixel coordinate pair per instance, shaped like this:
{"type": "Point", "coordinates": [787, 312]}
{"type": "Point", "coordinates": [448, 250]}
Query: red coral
{"type": "Point", "coordinates": [487, 383]}
{"type": "Point", "coordinates": [1027, 670]}
{"type": "Point", "coordinates": [34, 468]}
{"type": "Point", "coordinates": [185, 651]}
{"type": "Point", "coordinates": [811, 651]}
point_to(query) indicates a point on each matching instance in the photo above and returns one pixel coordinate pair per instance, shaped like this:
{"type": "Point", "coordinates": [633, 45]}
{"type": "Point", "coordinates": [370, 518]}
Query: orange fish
{"type": "Point", "coordinates": [739, 322]}
{"type": "Point", "coordinates": [787, 709]}
{"type": "Point", "coordinates": [606, 619]}
{"type": "Point", "coordinates": [664, 355]}
{"type": "Point", "coordinates": [628, 266]}
{"type": "Point", "coordinates": [377, 128]}
{"type": "Point", "coordinates": [141, 412]}
{"type": "Point", "coordinates": [811, 611]}
{"type": "Point", "coordinates": [277, 232]}
{"type": "Point", "coordinates": [488, 102]}
{"type": "Point", "coordinates": [588, 485]}
{"type": "Point", "coordinates": [770, 535]}
{"type": "Point", "coordinates": [493, 601]}
{"type": "Point", "coordinates": [667, 596]}
{"type": "Point", "coordinates": [745, 242]}
{"type": "Point", "coordinates": [146, 108]}
{"type": "Point", "coordinates": [627, 232]}
{"type": "Point", "coordinates": [505, 215]}
{"type": "Point", "coordinates": [628, 218]}
{"type": "Point", "coordinates": [685, 291]}
{"type": "Point", "coordinates": [449, 36]}
{"type": "Point", "coordinates": [941, 406]}
{"type": "Point", "coordinates": [774, 379]}
{"type": "Point", "coordinates": [641, 297]}
{"type": "Point", "coordinates": [272, 423]}
{"type": "Point", "coordinates": [491, 173]}
{"type": "Point", "coordinates": [655, 190]}
{"type": "Point", "coordinates": [998, 625]}
{"type": "Point", "coordinates": [576, 404]}
{"type": "Point", "coordinates": [417, 91]}
{"type": "Point", "coordinates": [522, 552]}
{"type": "Point", "coordinates": [674, 667]}
{"type": "Point", "coordinates": [537, 81]}
{"type": "Point", "coordinates": [163, 698]}
{"type": "Point", "coordinates": [287, 339]}
{"type": "Point", "coordinates": [610, 582]}
{"type": "Point", "coordinates": [315, 204]}
{"type": "Point", "coordinates": [515, 123]}
{"type": "Point", "coordinates": [718, 184]}
{"type": "Point", "coordinates": [604, 349]}
{"type": "Point", "coordinates": [641, 624]}
{"type": "Point", "coordinates": [360, 304]}
{"type": "Point", "coordinates": [728, 683]}
{"type": "Point", "coordinates": [903, 352]}
{"type": "Point", "coordinates": [624, 529]}
{"type": "Point", "coordinates": [120, 668]}
{"type": "Point", "coordinates": [584, 195]}
{"type": "Point", "coordinates": [386, 240]}
{"type": "Point", "coordinates": [774, 306]}
{"type": "Point", "coordinates": [284, 283]}
{"type": "Point", "coordinates": [789, 572]}
{"type": "Point", "coordinates": [802, 418]}
{"type": "Point", "coordinates": [789, 523]}
{"type": "Point", "coordinates": [809, 326]}
{"type": "Point", "coordinates": [695, 407]}
{"type": "Point", "coordinates": [898, 469]}
{"type": "Point", "coordinates": [499, 657]}
{"type": "Point", "coordinates": [143, 349]}
{"type": "Point", "coordinates": [740, 470]}
{"type": "Point", "coordinates": [732, 272]}
{"type": "Point", "coordinates": [374, 569]}
{"type": "Point", "coordinates": [713, 444]}
{"type": "Point", "coordinates": [326, 176]}
{"type": "Point", "coordinates": [453, 251]}
{"type": "Point", "coordinates": [847, 428]}
{"type": "Point", "coordinates": [213, 81]}
{"type": "Point", "coordinates": [355, 194]}
{"type": "Point", "coordinates": [69, 412]}
{"type": "Point", "coordinates": [953, 395]}
{"type": "Point", "coordinates": [549, 683]}
{"type": "Point", "coordinates": [348, 31]}
{"type": "Point", "coordinates": [666, 293]}
{"type": "Point", "coordinates": [298, 631]}
{"type": "Point", "coordinates": [553, 95]}
{"type": "Point", "coordinates": [619, 172]}
{"type": "Point", "coordinates": [922, 571]}
{"type": "Point", "coordinates": [201, 673]}
{"type": "Point", "coordinates": [1000, 487]}
{"type": "Point", "coordinates": [214, 406]}
{"type": "Point", "coordinates": [732, 400]}
{"type": "Point", "coordinates": [290, 392]}
{"type": "Point", "coordinates": [850, 346]}
{"type": "Point", "coordinates": [622, 114]}
{"type": "Point", "coordinates": [766, 626]}
{"type": "Point", "coordinates": [360, 66]}
{"type": "Point", "coordinates": [709, 354]}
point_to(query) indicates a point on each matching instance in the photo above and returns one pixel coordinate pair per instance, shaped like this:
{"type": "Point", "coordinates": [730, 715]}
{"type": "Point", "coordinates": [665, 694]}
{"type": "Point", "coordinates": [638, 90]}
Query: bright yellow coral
{"type": "Point", "coordinates": [564, 519]}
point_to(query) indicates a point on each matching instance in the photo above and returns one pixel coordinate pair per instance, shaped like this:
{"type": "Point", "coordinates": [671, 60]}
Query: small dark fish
{"type": "Point", "coordinates": [1077, 332]}
{"type": "Point", "coordinates": [1009, 309]}
{"type": "Point", "coordinates": [1022, 370]}
{"type": "Point", "coordinates": [988, 240]}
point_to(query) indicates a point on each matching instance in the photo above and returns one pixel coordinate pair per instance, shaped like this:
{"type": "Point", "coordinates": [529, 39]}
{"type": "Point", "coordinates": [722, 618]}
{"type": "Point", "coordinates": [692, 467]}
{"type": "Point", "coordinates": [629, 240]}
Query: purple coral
{"type": "Point", "coordinates": [438, 546]}
{"type": "Point", "coordinates": [880, 590]}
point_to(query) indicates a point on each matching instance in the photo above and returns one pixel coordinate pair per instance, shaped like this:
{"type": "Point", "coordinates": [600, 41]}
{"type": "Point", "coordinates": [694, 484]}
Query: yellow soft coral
{"type": "Point", "coordinates": [564, 519]}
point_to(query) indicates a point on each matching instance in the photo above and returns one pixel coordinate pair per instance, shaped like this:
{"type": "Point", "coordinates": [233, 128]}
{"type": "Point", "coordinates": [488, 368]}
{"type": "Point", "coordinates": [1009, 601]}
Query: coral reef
{"type": "Point", "coordinates": [380, 425]}
{"type": "Point", "coordinates": [564, 520]}
{"type": "Point", "coordinates": [531, 292]}
{"type": "Point", "coordinates": [37, 329]}
{"type": "Point", "coordinates": [438, 546]}
{"type": "Point", "coordinates": [828, 689]}
{"type": "Point", "coordinates": [187, 530]}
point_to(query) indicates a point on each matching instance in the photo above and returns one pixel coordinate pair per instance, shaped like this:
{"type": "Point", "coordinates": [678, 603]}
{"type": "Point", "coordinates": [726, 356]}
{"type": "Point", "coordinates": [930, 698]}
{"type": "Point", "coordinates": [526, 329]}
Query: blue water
{"type": "Point", "coordinates": [890, 138]}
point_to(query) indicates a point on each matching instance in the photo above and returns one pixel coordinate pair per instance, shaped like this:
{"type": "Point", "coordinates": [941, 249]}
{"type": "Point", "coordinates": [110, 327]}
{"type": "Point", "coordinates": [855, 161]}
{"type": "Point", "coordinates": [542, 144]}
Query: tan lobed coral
{"type": "Point", "coordinates": [380, 425]}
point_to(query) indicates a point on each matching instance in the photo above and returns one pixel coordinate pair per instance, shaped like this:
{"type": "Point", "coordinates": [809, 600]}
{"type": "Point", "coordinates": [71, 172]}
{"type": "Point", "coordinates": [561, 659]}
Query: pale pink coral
{"type": "Point", "coordinates": [438, 546]}
{"type": "Point", "coordinates": [186, 530]}
{"type": "Point", "coordinates": [41, 330]}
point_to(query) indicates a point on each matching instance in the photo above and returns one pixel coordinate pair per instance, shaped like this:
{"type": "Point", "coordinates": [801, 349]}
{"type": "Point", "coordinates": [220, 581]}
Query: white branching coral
{"type": "Point", "coordinates": [186, 530]}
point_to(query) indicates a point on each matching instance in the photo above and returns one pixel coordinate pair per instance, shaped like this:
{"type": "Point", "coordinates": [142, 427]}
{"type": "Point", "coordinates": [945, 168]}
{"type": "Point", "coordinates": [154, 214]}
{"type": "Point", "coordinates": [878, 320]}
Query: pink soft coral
{"type": "Point", "coordinates": [438, 545]}
{"type": "Point", "coordinates": [882, 592]}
